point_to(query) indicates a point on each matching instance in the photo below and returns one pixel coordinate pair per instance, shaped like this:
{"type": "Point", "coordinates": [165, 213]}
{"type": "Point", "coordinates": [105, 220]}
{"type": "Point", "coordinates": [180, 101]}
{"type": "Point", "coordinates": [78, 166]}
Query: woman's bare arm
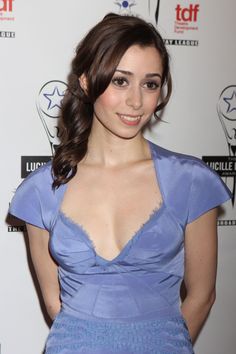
{"type": "Point", "coordinates": [45, 268]}
{"type": "Point", "coordinates": [200, 270]}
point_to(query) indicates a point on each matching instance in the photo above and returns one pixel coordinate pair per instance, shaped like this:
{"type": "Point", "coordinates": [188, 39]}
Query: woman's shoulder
{"type": "Point", "coordinates": [41, 175]}
{"type": "Point", "coordinates": [186, 170]}
{"type": "Point", "coordinates": [175, 157]}
{"type": "Point", "coordinates": [177, 164]}
{"type": "Point", "coordinates": [35, 201]}
{"type": "Point", "coordinates": [197, 188]}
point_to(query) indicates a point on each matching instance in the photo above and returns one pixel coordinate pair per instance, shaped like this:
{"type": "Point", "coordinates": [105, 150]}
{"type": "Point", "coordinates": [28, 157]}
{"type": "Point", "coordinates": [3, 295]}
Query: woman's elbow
{"type": "Point", "coordinates": [53, 309]}
{"type": "Point", "coordinates": [212, 298]}
{"type": "Point", "coordinates": [207, 299]}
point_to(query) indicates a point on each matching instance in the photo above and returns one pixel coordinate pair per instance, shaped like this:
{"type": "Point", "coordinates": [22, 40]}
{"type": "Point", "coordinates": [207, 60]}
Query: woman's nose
{"type": "Point", "coordinates": [134, 98]}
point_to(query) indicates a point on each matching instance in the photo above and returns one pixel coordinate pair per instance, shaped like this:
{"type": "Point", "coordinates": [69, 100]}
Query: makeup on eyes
{"type": "Point", "coordinates": [119, 81]}
{"type": "Point", "coordinates": [123, 81]}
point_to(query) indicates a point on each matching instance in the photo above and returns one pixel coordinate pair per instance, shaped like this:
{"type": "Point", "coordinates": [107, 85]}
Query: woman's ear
{"type": "Point", "coordinates": [83, 83]}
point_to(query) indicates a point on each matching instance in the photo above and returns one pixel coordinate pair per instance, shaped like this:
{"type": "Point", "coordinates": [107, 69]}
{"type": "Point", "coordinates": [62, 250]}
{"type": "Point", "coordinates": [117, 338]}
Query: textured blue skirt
{"type": "Point", "coordinates": [72, 335]}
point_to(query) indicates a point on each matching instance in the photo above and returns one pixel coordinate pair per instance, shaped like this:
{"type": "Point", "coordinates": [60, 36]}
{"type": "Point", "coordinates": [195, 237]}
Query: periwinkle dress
{"type": "Point", "coordinates": [130, 304]}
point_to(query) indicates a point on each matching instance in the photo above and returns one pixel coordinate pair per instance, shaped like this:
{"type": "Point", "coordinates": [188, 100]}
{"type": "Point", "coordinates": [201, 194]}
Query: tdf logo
{"type": "Point", "coordinates": [187, 14]}
{"type": "Point", "coordinates": [6, 5]}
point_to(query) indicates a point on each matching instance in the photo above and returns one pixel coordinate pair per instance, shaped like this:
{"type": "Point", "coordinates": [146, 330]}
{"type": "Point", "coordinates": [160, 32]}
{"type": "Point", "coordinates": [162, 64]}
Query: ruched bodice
{"type": "Point", "coordinates": [144, 277]}
{"type": "Point", "coordinates": [140, 286]}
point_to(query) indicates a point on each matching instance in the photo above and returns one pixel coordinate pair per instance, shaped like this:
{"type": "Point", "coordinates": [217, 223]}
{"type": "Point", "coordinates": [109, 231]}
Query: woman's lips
{"type": "Point", "coordinates": [129, 119]}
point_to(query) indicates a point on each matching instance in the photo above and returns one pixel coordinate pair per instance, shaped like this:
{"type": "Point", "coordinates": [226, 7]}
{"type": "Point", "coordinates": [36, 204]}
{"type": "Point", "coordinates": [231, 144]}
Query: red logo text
{"type": "Point", "coordinates": [186, 20]}
{"type": "Point", "coordinates": [6, 5]}
{"type": "Point", "coordinates": [187, 14]}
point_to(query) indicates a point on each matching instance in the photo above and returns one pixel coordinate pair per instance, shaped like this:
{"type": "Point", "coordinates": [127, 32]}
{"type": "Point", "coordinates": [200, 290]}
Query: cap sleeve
{"type": "Point", "coordinates": [26, 204]}
{"type": "Point", "coordinates": [207, 191]}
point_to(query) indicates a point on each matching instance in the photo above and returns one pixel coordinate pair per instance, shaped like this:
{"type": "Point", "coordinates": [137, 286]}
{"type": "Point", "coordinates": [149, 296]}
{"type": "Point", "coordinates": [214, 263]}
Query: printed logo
{"type": "Point", "coordinates": [49, 109]}
{"type": "Point", "coordinates": [32, 163]}
{"type": "Point", "coordinates": [125, 6]}
{"type": "Point", "coordinates": [182, 42]}
{"type": "Point", "coordinates": [227, 113]}
{"type": "Point", "coordinates": [225, 166]}
{"type": "Point", "coordinates": [6, 10]}
{"type": "Point", "coordinates": [7, 34]}
{"type": "Point", "coordinates": [16, 228]}
{"type": "Point", "coordinates": [186, 18]}
{"type": "Point", "coordinates": [184, 21]}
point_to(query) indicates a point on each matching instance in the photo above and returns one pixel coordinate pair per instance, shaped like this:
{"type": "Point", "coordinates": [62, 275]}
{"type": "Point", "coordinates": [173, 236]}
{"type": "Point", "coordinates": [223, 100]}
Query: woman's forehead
{"type": "Point", "coordinates": [141, 58]}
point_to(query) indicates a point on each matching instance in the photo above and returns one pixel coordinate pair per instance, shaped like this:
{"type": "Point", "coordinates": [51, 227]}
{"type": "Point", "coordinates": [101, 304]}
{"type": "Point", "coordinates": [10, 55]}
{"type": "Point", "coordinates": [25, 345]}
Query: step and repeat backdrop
{"type": "Point", "coordinates": [37, 43]}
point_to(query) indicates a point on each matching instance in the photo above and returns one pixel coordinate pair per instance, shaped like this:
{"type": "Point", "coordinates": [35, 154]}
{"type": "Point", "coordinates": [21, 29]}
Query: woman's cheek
{"type": "Point", "coordinates": [152, 102]}
{"type": "Point", "coordinates": [111, 99]}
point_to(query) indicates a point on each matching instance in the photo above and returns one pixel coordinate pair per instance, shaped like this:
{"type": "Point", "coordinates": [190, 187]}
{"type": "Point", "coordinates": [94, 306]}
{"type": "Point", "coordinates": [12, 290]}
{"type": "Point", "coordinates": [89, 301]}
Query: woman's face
{"type": "Point", "coordinates": [132, 96]}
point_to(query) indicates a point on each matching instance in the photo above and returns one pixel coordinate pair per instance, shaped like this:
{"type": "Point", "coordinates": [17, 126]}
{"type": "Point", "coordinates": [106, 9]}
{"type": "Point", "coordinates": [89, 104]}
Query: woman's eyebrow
{"type": "Point", "coordinates": [125, 72]}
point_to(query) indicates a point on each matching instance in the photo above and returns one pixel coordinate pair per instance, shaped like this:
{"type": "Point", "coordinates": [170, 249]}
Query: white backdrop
{"type": "Point", "coordinates": [37, 42]}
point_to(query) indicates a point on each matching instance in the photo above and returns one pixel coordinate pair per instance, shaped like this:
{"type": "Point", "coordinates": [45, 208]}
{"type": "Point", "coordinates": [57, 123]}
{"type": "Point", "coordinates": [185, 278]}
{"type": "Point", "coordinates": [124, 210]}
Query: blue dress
{"type": "Point", "coordinates": [130, 304]}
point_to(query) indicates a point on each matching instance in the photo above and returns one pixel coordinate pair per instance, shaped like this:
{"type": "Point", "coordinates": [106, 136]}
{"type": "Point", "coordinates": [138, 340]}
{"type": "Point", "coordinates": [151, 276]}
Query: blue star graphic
{"type": "Point", "coordinates": [54, 98]}
{"type": "Point", "coordinates": [231, 102]}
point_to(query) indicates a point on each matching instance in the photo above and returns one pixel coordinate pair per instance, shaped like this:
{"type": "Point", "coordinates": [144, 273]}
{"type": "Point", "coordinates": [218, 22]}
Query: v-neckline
{"type": "Point", "coordinates": [88, 239]}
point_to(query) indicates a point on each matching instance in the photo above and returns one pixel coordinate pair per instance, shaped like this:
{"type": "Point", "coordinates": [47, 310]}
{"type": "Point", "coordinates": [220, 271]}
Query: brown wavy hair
{"type": "Point", "coordinates": [97, 56]}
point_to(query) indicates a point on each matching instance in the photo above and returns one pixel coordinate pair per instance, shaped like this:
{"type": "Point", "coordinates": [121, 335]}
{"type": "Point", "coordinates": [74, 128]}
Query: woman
{"type": "Point", "coordinates": [125, 220]}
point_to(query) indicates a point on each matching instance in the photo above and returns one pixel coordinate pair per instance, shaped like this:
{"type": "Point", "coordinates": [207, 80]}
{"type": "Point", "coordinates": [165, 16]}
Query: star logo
{"type": "Point", "coordinates": [50, 98]}
{"type": "Point", "coordinates": [227, 103]}
{"type": "Point", "coordinates": [231, 102]}
{"type": "Point", "coordinates": [54, 98]}
{"type": "Point", "coordinates": [227, 113]}
{"type": "Point", "coordinates": [48, 103]}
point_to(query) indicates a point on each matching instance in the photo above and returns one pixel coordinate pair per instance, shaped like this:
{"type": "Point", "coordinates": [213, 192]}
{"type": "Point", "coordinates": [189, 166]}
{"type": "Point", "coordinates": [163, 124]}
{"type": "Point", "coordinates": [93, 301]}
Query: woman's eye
{"type": "Point", "coordinates": [151, 85]}
{"type": "Point", "coordinates": [119, 81]}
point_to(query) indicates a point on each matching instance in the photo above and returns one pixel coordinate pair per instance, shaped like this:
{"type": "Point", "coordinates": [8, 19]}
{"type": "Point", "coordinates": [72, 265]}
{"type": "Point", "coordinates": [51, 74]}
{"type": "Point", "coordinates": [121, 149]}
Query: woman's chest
{"type": "Point", "coordinates": [112, 205]}
{"type": "Point", "coordinates": [158, 245]}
